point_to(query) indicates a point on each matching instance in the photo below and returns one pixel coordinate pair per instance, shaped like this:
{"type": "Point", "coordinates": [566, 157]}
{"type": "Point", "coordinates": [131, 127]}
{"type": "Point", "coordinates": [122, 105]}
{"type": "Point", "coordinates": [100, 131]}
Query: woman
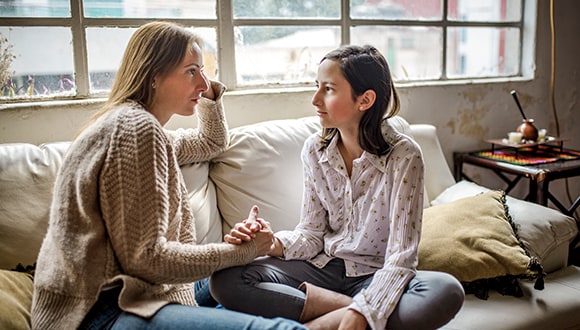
{"type": "Point", "coordinates": [120, 250]}
{"type": "Point", "coordinates": [361, 218]}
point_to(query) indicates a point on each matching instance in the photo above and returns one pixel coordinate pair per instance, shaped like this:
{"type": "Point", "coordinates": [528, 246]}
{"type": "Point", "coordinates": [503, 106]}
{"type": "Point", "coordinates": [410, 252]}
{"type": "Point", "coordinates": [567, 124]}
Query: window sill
{"type": "Point", "coordinates": [264, 90]}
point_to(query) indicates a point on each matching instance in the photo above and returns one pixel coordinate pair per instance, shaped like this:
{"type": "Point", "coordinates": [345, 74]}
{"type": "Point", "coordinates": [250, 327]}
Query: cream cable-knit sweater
{"type": "Point", "coordinates": [120, 216]}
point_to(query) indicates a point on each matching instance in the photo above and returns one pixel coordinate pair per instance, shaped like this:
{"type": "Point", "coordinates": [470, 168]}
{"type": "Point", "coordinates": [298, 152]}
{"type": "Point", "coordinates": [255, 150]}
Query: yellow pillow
{"type": "Point", "coordinates": [15, 299]}
{"type": "Point", "coordinates": [475, 240]}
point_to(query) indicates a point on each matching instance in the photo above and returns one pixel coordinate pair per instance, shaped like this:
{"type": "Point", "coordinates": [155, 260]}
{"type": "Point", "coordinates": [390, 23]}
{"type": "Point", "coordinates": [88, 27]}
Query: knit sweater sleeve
{"type": "Point", "coordinates": [210, 138]}
{"type": "Point", "coordinates": [142, 206]}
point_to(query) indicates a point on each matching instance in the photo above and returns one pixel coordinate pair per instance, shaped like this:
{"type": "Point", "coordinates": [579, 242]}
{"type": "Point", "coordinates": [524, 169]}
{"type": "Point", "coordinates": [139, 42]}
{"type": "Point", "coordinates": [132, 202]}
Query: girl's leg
{"type": "Point", "coordinates": [269, 286]}
{"type": "Point", "coordinates": [430, 301]}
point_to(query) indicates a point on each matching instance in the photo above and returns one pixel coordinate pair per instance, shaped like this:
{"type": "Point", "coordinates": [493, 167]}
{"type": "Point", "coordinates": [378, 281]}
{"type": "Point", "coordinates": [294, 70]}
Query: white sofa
{"type": "Point", "coordinates": [262, 166]}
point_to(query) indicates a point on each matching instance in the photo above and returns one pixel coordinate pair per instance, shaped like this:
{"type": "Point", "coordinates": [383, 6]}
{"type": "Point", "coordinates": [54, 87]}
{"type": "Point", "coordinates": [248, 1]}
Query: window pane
{"type": "Point", "coordinates": [150, 8]}
{"type": "Point", "coordinates": [210, 53]}
{"type": "Point", "coordinates": [282, 55]}
{"type": "Point", "coordinates": [106, 47]}
{"type": "Point", "coordinates": [485, 11]}
{"type": "Point", "coordinates": [286, 9]}
{"type": "Point", "coordinates": [482, 52]}
{"type": "Point", "coordinates": [398, 9]}
{"type": "Point", "coordinates": [413, 53]}
{"type": "Point", "coordinates": [42, 63]}
{"type": "Point", "coordinates": [35, 8]}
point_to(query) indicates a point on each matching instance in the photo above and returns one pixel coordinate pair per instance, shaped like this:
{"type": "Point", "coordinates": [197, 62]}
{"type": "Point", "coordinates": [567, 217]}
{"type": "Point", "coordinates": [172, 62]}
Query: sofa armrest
{"type": "Point", "coordinates": [27, 174]}
{"type": "Point", "coordinates": [438, 176]}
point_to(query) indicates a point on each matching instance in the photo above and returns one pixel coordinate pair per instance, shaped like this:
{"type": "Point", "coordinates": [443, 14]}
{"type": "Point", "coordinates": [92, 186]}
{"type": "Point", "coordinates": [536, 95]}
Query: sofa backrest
{"type": "Point", "coordinates": [27, 175]}
{"type": "Point", "coordinates": [262, 166]}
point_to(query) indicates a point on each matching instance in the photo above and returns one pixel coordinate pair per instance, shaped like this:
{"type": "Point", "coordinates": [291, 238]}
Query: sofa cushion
{"type": "Point", "coordinates": [202, 200]}
{"type": "Point", "coordinates": [545, 232]}
{"type": "Point", "coordinates": [474, 239]}
{"type": "Point", "coordinates": [262, 166]}
{"type": "Point", "coordinates": [15, 299]}
{"type": "Point", "coordinates": [555, 307]}
{"type": "Point", "coordinates": [27, 174]}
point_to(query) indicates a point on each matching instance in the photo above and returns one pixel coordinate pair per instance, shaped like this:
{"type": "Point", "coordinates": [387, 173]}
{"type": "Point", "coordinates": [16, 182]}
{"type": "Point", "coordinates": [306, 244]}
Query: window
{"type": "Point", "coordinates": [72, 48]}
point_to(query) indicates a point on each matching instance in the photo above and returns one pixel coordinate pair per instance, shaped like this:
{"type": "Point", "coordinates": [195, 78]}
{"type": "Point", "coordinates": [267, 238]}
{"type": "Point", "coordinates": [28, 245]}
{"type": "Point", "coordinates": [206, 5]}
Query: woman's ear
{"type": "Point", "coordinates": [366, 100]}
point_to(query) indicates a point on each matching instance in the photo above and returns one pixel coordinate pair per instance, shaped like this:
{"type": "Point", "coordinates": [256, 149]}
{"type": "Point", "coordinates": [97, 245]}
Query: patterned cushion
{"type": "Point", "coordinates": [475, 240]}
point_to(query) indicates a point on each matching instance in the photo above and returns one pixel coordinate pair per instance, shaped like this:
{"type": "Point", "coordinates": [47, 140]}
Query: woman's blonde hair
{"type": "Point", "coordinates": [154, 49]}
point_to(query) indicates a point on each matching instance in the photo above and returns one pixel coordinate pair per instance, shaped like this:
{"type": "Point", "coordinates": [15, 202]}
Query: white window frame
{"type": "Point", "coordinates": [225, 23]}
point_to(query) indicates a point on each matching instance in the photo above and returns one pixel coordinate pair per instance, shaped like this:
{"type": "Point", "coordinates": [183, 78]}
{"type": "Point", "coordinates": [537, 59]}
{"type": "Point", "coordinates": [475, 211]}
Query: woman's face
{"type": "Point", "coordinates": [179, 91]}
{"type": "Point", "coordinates": [333, 98]}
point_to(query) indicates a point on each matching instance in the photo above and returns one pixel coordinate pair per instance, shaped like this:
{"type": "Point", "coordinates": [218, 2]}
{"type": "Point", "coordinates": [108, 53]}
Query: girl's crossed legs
{"type": "Point", "coordinates": [269, 287]}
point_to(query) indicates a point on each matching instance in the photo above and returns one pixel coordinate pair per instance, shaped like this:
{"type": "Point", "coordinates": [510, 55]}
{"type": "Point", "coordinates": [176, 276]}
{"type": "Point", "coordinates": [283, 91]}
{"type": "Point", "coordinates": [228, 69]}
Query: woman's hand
{"type": "Point", "coordinates": [209, 93]}
{"type": "Point", "coordinates": [253, 228]}
{"type": "Point", "coordinates": [353, 320]}
{"type": "Point", "coordinates": [246, 230]}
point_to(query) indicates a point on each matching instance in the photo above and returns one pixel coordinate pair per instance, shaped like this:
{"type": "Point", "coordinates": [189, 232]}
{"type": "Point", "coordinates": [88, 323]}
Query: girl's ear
{"type": "Point", "coordinates": [366, 100]}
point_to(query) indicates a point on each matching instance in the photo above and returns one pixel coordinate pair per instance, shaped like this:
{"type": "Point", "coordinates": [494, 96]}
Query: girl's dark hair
{"type": "Point", "coordinates": [364, 67]}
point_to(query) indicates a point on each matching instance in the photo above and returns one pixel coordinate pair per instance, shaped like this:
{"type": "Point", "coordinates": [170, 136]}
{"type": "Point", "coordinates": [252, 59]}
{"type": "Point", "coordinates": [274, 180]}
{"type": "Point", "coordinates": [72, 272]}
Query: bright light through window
{"type": "Point", "coordinates": [106, 46]}
{"type": "Point", "coordinates": [413, 52]}
{"type": "Point", "coordinates": [47, 53]}
{"type": "Point", "coordinates": [41, 62]}
{"type": "Point", "coordinates": [282, 55]}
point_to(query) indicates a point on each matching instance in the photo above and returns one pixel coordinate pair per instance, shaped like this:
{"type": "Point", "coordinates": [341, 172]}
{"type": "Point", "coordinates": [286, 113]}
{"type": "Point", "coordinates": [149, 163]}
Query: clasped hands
{"type": "Point", "coordinates": [253, 228]}
{"type": "Point", "coordinates": [259, 230]}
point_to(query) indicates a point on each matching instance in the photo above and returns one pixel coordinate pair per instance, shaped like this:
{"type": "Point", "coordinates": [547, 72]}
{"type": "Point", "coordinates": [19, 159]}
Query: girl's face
{"type": "Point", "coordinates": [333, 99]}
{"type": "Point", "coordinates": [179, 91]}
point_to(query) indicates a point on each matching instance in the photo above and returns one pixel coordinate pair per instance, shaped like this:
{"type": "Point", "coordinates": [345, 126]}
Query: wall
{"type": "Point", "coordinates": [465, 114]}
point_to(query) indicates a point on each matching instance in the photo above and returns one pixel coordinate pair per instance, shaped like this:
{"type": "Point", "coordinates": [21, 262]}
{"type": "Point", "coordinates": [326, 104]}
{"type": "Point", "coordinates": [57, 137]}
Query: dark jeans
{"type": "Point", "coordinates": [269, 287]}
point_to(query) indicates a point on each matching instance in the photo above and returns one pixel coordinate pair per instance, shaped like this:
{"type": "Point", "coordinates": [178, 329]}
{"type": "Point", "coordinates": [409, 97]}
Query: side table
{"type": "Point", "coordinates": [539, 175]}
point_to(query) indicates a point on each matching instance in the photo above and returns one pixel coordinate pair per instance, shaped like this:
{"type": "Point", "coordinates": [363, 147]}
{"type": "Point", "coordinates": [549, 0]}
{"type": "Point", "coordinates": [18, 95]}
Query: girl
{"type": "Point", "coordinates": [360, 222]}
{"type": "Point", "coordinates": [120, 250]}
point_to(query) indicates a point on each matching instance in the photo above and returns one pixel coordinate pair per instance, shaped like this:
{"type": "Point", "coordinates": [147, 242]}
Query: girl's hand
{"type": "Point", "coordinates": [264, 238]}
{"type": "Point", "coordinates": [246, 230]}
{"type": "Point", "coordinates": [353, 320]}
{"type": "Point", "coordinates": [277, 249]}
